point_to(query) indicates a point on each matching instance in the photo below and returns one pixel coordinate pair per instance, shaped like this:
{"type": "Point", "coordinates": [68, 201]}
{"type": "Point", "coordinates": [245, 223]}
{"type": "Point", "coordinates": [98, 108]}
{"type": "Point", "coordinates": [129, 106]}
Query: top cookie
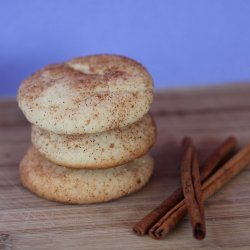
{"type": "Point", "coordinates": [87, 95]}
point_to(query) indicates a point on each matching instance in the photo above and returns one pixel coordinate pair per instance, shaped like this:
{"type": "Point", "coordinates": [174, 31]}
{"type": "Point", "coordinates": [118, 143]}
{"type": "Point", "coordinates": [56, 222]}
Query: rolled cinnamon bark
{"type": "Point", "coordinates": [211, 185]}
{"type": "Point", "coordinates": [191, 187]}
{"type": "Point", "coordinates": [219, 155]}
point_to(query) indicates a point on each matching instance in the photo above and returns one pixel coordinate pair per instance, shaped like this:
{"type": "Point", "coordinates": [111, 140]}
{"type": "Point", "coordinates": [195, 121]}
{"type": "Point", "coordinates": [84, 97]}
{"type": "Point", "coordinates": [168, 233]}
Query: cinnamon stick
{"type": "Point", "coordinates": [191, 186]}
{"type": "Point", "coordinates": [211, 185]}
{"type": "Point", "coordinates": [218, 157]}
{"type": "Point", "coordinates": [142, 227]}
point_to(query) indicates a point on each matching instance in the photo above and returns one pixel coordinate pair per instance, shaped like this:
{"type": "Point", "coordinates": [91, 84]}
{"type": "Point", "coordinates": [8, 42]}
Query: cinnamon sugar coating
{"type": "Point", "coordinates": [82, 186]}
{"type": "Point", "coordinates": [87, 95]}
{"type": "Point", "coordinates": [97, 150]}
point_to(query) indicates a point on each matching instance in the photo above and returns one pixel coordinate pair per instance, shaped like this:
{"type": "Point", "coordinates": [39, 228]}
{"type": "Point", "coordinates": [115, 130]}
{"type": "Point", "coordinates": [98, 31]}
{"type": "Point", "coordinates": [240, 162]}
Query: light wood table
{"type": "Point", "coordinates": [209, 115]}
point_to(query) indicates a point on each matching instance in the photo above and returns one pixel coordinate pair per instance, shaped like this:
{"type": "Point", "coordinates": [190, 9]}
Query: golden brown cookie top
{"type": "Point", "coordinates": [69, 97]}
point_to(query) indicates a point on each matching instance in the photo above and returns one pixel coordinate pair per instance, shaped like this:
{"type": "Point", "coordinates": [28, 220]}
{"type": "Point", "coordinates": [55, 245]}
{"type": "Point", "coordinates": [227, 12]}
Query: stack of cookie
{"type": "Point", "coordinates": [91, 130]}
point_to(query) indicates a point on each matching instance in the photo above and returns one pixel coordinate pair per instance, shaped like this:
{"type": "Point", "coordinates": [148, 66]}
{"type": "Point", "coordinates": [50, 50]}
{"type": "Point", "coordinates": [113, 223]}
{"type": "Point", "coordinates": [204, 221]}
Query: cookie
{"type": "Point", "coordinates": [98, 150]}
{"type": "Point", "coordinates": [82, 186]}
{"type": "Point", "coordinates": [87, 95]}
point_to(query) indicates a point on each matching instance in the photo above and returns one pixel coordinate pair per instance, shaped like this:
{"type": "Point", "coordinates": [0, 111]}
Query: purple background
{"type": "Point", "coordinates": [180, 42]}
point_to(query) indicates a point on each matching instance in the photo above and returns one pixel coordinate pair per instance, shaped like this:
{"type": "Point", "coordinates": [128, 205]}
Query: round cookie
{"type": "Point", "coordinates": [87, 95]}
{"type": "Point", "coordinates": [98, 150]}
{"type": "Point", "coordinates": [82, 186]}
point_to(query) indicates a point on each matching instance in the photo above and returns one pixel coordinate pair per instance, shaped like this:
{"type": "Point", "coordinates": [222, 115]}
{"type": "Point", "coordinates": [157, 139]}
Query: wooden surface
{"type": "Point", "coordinates": [208, 115]}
